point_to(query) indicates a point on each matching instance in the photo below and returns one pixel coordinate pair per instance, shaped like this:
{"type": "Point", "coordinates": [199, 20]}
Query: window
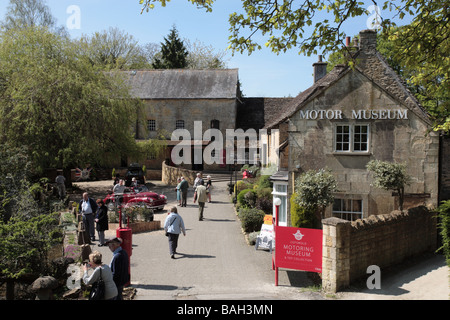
{"type": "Point", "coordinates": [179, 124]}
{"type": "Point", "coordinates": [348, 209]}
{"type": "Point", "coordinates": [151, 125]}
{"type": "Point", "coordinates": [215, 124]}
{"type": "Point", "coordinates": [280, 191]}
{"type": "Point", "coordinates": [351, 138]}
{"type": "Point", "coordinates": [342, 138]}
{"type": "Point", "coordinates": [360, 138]}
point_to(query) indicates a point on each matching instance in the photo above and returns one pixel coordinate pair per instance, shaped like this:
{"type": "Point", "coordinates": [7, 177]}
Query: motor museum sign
{"type": "Point", "coordinates": [369, 114]}
{"type": "Point", "coordinates": [298, 248]}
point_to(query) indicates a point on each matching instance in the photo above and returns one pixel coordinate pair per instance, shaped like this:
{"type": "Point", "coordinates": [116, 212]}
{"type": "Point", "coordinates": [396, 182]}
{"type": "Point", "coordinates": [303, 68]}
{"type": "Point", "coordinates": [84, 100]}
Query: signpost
{"type": "Point", "coordinates": [296, 248]}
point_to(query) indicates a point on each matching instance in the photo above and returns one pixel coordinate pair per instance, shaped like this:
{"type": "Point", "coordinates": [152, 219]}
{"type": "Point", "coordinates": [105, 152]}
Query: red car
{"type": "Point", "coordinates": [139, 195]}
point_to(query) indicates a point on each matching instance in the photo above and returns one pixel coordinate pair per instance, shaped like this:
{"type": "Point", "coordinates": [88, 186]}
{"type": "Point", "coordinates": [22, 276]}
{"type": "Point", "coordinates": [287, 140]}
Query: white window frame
{"type": "Point", "coordinates": [351, 140]}
{"type": "Point", "coordinates": [344, 214]}
{"type": "Point", "coordinates": [283, 195]}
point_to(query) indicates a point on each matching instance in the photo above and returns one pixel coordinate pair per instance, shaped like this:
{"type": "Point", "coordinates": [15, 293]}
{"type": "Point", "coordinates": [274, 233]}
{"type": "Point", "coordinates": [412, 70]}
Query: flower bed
{"type": "Point", "coordinates": [138, 227]}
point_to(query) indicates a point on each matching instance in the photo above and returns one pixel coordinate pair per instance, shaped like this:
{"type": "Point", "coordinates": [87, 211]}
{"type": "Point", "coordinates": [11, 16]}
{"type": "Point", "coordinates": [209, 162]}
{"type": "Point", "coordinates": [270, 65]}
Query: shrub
{"type": "Point", "coordinates": [444, 226]}
{"type": "Point", "coordinates": [244, 200]}
{"type": "Point", "coordinates": [265, 204]}
{"type": "Point", "coordinates": [300, 216]}
{"type": "Point", "coordinates": [264, 182]}
{"type": "Point", "coordinates": [242, 185]}
{"type": "Point", "coordinates": [251, 219]}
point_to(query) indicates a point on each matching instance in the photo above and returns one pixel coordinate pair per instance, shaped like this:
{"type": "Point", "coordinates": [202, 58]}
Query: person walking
{"type": "Point", "coordinates": [184, 186]}
{"type": "Point", "coordinates": [201, 197]}
{"type": "Point", "coordinates": [197, 181]}
{"type": "Point", "coordinates": [88, 209]}
{"type": "Point", "coordinates": [119, 265]}
{"type": "Point", "coordinates": [100, 270]}
{"type": "Point", "coordinates": [101, 218]}
{"type": "Point", "coordinates": [174, 225]}
{"type": "Point", "coordinates": [208, 187]}
{"type": "Point", "coordinates": [177, 189]}
{"type": "Point", "coordinates": [60, 184]}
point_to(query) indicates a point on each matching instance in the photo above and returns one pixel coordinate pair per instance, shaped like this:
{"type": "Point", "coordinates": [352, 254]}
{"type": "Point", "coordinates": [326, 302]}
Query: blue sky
{"type": "Point", "coordinates": [262, 74]}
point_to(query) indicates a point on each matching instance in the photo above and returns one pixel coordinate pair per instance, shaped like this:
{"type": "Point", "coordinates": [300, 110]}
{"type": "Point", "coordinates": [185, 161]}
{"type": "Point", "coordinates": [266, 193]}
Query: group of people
{"type": "Point", "coordinates": [202, 192]}
{"type": "Point", "coordinates": [94, 212]}
{"type": "Point", "coordinates": [174, 224]}
{"type": "Point", "coordinates": [115, 275]}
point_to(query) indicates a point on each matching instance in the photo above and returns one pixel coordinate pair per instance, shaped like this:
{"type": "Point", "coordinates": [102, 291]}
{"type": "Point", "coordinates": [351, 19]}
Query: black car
{"type": "Point", "coordinates": [134, 171]}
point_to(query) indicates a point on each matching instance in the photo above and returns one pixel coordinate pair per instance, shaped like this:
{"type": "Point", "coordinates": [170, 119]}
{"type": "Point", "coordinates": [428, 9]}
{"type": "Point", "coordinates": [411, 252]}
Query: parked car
{"type": "Point", "coordinates": [134, 171]}
{"type": "Point", "coordinates": [136, 196]}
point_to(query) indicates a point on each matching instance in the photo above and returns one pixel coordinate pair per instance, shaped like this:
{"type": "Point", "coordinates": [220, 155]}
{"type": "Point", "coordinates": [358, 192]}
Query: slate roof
{"type": "Point", "coordinates": [256, 112]}
{"type": "Point", "coordinates": [296, 103]}
{"type": "Point", "coordinates": [183, 83]}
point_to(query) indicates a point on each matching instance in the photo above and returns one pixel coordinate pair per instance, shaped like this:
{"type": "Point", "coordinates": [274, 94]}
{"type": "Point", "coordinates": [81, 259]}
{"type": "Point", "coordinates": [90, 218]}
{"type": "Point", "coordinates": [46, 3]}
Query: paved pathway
{"type": "Point", "coordinates": [215, 262]}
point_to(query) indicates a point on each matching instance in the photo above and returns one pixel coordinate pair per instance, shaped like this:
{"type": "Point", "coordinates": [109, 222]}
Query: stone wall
{"type": "Point", "coordinates": [171, 174]}
{"type": "Point", "coordinates": [382, 240]}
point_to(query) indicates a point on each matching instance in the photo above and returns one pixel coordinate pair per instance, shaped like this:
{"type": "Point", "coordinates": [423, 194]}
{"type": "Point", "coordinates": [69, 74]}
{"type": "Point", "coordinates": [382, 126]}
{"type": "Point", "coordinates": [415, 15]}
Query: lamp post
{"type": "Point", "coordinates": [277, 203]}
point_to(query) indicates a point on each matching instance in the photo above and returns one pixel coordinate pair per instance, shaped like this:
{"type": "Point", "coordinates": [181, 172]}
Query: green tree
{"type": "Point", "coordinates": [173, 53]}
{"type": "Point", "coordinates": [390, 176]}
{"type": "Point", "coordinates": [30, 13]}
{"type": "Point", "coordinates": [54, 102]}
{"type": "Point", "coordinates": [314, 26]}
{"type": "Point", "coordinates": [113, 49]}
{"type": "Point", "coordinates": [431, 93]}
{"type": "Point", "coordinates": [26, 231]}
{"type": "Point", "coordinates": [314, 190]}
{"type": "Point", "coordinates": [201, 56]}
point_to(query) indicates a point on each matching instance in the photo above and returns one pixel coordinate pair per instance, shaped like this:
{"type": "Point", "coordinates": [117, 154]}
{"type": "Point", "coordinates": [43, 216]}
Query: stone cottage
{"type": "Point", "coordinates": [349, 117]}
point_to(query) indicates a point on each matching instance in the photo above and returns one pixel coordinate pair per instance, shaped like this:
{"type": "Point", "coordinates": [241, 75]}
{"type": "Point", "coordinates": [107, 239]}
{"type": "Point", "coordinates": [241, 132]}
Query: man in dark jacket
{"type": "Point", "coordinates": [88, 208]}
{"type": "Point", "coordinates": [119, 265]}
{"type": "Point", "coordinates": [184, 186]}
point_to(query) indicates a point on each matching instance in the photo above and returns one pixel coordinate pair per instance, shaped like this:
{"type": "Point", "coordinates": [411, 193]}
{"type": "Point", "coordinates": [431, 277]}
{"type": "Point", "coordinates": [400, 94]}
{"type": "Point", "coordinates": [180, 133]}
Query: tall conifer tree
{"type": "Point", "coordinates": [173, 53]}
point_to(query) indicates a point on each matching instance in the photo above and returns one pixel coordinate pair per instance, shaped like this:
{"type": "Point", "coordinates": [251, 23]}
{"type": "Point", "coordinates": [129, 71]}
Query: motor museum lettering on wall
{"type": "Point", "coordinates": [385, 114]}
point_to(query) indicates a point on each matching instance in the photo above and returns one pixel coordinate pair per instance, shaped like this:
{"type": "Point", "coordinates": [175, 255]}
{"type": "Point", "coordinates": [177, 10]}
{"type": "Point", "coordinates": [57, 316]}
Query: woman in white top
{"type": "Point", "coordinates": [95, 261]}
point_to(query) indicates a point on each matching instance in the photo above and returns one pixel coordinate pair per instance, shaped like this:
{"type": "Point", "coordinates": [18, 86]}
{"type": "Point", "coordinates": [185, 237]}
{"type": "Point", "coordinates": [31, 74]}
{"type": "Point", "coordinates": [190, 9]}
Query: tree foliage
{"type": "Point", "coordinates": [27, 231]}
{"type": "Point", "coordinates": [390, 176]}
{"type": "Point", "coordinates": [114, 49]}
{"type": "Point", "coordinates": [444, 227]}
{"type": "Point", "coordinates": [317, 26]}
{"type": "Point", "coordinates": [314, 189]}
{"type": "Point", "coordinates": [30, 13]}
{"type": "Point", "coordinates": [58, 105]}
{"type": "Point", "coordinates": [173, 53]}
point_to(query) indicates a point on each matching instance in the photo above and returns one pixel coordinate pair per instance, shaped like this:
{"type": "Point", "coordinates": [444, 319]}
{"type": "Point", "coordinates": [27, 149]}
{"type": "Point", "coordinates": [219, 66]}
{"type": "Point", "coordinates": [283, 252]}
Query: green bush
{"type": "Point", "coordinates": [264, 182]}
{"type": "Point", "coordinates": [251, 219]}
{"type": "Point", "coordinates": [444, 226]}
{"type": "Point", "coordinates": [245, 200]}
{"type": "Point", "coordinates": [242, 185]}
{"type": "Point", "coordinates": [300, 216]}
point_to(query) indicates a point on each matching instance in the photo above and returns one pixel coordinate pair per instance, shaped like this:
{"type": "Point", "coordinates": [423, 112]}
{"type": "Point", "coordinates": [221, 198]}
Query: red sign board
{"type": "Point", "coordinates": [298, 248]}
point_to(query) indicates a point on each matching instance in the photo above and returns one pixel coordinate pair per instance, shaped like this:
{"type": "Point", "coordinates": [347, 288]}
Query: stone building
{"type": "Point", "coordinates": [349, 117]}
{"type": "Point", "coordinates": [179, 99]}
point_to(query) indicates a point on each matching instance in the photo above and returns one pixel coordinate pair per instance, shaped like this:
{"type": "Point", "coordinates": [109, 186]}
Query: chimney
{"type": "Point", "coordinates": [368, 41]}
{"type": "Point", "coordinates": [320, 69]}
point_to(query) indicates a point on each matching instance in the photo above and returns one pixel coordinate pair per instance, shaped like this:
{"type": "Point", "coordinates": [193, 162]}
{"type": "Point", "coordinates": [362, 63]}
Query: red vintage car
{"type": "Point", "coordinates": [136, 196]}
